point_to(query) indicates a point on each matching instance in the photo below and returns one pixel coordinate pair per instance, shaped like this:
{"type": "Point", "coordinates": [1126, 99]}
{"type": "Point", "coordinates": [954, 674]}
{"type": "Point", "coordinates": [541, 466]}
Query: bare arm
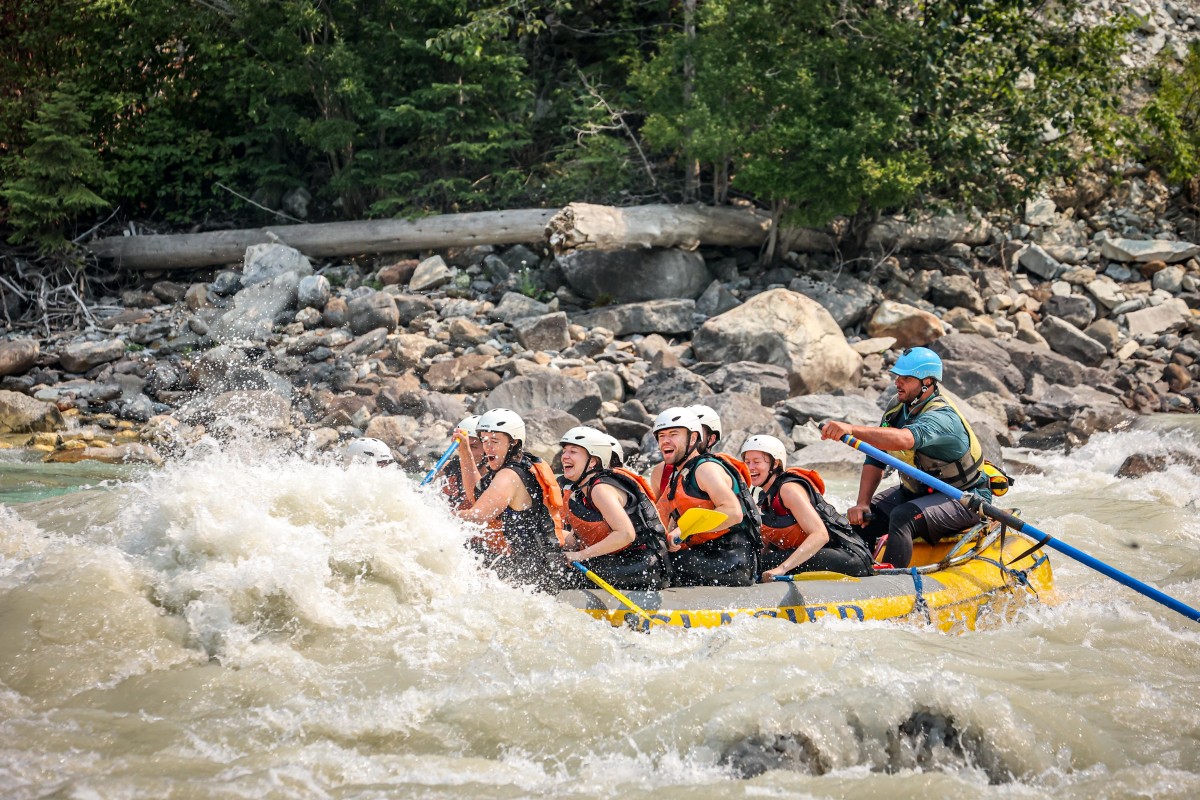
{"type": "Point", "coordinates": [716, 483]}
{"type": "Point", "coordinates": [466, 464]}
{"type": "Point", "coordinates": [497, 497]}
{"type": "Point", "coordinates": [795, 500]}
{"type": "Point", "coordinates": [883, 438]}
{"type": "Point", "coordinates": [610, 502]}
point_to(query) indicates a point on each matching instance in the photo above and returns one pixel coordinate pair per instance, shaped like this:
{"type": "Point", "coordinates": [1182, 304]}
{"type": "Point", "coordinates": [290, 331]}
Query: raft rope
{"type": "Point", "coordinates": [919, 604]}
{"type": "Point", "coordinates": [1019, 576]}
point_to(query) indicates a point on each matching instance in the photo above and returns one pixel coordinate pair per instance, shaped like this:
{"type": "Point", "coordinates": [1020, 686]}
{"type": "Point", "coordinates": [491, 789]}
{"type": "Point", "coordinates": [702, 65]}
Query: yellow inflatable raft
{"type": "Point", "coordinates": [959, 584]}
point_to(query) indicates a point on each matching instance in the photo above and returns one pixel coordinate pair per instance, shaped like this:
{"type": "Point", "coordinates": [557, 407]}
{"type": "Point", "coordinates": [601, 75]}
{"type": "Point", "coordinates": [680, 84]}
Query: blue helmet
{"type": "Point", "coordinates": [918, 362]}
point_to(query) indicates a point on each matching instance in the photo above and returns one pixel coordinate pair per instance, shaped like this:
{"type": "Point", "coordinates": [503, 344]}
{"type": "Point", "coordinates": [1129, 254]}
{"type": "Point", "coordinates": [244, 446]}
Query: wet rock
{"type": "Point", "coordinates": [128, 453]}
{"type": "Point", "coordinates": [196, 297]}
{"type": "Point", "coordinates": [151, 331]}
{"type": "Point", "coordinates": [22, 414]}
{"type": "Point", "coordinates": [82, 356]}
{"type": "Point", "coordinates": [17, 356]}
{"type": "Point", "coordinates": [1139, 465]}
{"type": "Point", "coordinates": [226, 283]}
{"type": "Point", "coordinates": [789, 330]}
{"type": "Point", "coordinates": [255, 309]}
{"type": "Point", "coordinates": [761, 753]}
{"type": "Point", "coordinates": [240, 413]}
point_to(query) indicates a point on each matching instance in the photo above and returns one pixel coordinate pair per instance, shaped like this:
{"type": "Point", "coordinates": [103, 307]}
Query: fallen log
{"type": "Point", "coordinates": [192, 250]}
{"type": "Point", "coordinates": [583, 226]}
{"type": "Point", "coordinates": [578, 226]}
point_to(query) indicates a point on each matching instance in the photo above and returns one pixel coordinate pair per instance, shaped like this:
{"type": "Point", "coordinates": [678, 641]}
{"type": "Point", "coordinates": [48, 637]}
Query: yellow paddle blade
{"type": "Point", "coordinates": [821, 575]}
{"type": "Point", "coordinates": [700, 520]}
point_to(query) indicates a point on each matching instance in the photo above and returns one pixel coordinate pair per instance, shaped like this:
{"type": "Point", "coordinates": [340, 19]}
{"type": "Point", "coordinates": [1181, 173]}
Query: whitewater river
{"type": "Point", "coordinates": [236, 625]}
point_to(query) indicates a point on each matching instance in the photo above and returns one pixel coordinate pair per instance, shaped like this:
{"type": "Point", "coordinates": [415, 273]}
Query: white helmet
{"type": "Point", "coordinates": [502, 420]}
{"type": "Point", "coordinates": [678, 417]}
{"type": "Point", "coordinates": [617, 450]}
{"type": "Point", "coordinates": [596, 443]}
{"type": "Point", "coordinates": [708, 417]}
{"type": "Point", "coordinates": [469, 424]}
{"type": "Point", "coordinates": [369, 451]}
{"type": "Point", "coordinates": [766, 444]}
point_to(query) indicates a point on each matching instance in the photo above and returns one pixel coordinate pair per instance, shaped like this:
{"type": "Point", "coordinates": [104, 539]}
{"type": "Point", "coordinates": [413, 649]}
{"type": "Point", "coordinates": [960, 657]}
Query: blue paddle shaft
{"type": "Point", "coordinates": [440, 463]}
{"type": "Point", "coordinates": [1024, 527]}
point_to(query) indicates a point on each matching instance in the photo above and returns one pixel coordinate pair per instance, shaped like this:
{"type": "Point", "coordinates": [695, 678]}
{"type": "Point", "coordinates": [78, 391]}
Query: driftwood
{"type": "Point", "coordinates": [191, 250]}
{"type": "Point", "coordinates": [578, 226]}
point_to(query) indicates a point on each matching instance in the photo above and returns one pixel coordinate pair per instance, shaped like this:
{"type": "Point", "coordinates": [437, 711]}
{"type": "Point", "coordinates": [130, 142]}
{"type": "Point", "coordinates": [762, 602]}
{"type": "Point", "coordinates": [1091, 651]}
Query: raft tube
{"type": "Point", "coordinates": [962, 583]}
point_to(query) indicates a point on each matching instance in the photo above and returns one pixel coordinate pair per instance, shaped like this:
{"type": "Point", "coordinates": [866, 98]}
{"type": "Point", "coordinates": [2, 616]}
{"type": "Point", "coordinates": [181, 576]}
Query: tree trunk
{"type": "Point", "coordinates": [578, 226]}
{"type": "Point", "coordinates": [192, 250]}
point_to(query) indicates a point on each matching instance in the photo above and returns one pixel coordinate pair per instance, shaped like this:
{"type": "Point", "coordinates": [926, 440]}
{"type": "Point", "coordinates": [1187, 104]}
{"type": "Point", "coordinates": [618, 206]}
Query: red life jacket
{"type": "Point", "coordinates": [779, 526]}
{"type": "Point", "coordinates": [590, 527]}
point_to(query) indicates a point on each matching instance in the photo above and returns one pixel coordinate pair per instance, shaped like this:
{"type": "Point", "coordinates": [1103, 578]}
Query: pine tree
{"type": "Point", "coordinates": [48, 182]}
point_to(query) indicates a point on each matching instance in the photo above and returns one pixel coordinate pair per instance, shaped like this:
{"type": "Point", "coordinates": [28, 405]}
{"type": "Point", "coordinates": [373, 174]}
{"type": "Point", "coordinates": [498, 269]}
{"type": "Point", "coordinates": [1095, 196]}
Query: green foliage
{"type": "Point", "coordinates": [1171, 129]}
{"type": "Point", "coordinates": [50, 182]}
{"type": "Point", "coordinates": [825, 108]}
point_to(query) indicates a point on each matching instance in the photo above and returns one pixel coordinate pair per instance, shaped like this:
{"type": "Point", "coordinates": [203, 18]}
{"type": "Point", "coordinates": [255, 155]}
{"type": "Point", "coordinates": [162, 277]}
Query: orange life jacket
{"type": "Point", "coordinates": [590, 527]}
{"type": "Point", "coordinates": [779, 526]}
{"type": "Point", "coordinates": [543, 490]}
{"type": "Point", "coordinates": [682, 493]}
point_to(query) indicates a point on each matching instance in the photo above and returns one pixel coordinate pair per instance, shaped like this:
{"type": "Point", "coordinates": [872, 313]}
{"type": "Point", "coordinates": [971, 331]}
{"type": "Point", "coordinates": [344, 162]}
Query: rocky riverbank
{"type": "Point", "coordinates": [1072, 319]}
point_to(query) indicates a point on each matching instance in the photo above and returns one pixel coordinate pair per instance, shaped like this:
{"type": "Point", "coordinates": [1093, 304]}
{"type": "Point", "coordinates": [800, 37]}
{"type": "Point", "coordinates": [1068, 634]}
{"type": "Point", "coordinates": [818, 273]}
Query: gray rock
{"type": "Point", "coordinates": [1106, 332]}
{"type": "Point", "coordinates": [629, 276]}
{"type": "Point", "coordinates": [82, 356]}
{"type": "Point", "coordinates": [612, 388]}
{"type": "Point", "coordinates": [788, 330]}
{"type": "Point", "coordinates": [741, 417]}
{"type": "Point", "coordinates": [514, 306]}
{"type": "Point", "coordinates": [656, 316]}
{"type": "Point", "coordinates": [676, 386]}
{"type": "Point", "coordinates": [544, 390]}
{"type": "Point", "coordinates": [975, 349]}
{"type": "Point", "coordinates": [295, 202]}
{"type": "Point", "coordinates": [313, 291]}
{"type": "Point", "coordinates": [1036, 260]}
{"type": "Point", "coordinates": [375, 310]}
{"type": "Point", "coordinates": [1075, 309]}
{"type": "Point", "coordinates": [226, 283]}
{"type": "Point", "coordinates": [855, 409]}
{"type": "Point", "coordinates": [716, 300]}
{"type": "Point", "coordinates": [1071, 342]}
{"type": "Point", "coordinates": [1143, 251]}
{"type": "Point", "coordinates": [1162, 318]}
{"type": "Point", "coordinates": [265, 262]}
{"type": "Point", "coordinates": [519, 257]}
{"type": "Point", "coordinates": [767, 382]}
{"type": "Point", "coordinates": [17, 356]}
{"type": "Point", "coordinates": [22, 414]}
{"type": "Point", "coordinates": [846, 298]}
{"type": "Point", "coordinates": [411, 306]}
{"type": "Point", "coordinates": [955, 291]}
{"type": "Point", "coordinates": [239, 413]}
{"type": "Point", "coordinates": [430, 274]}
{"type": "Point", "coordinates": [626, 429]}
{"type": "Point", "coordinates": [368, 343]}
{"type": "Point", "coordinates": [151, 331]}
{"type": "Point", "coordinates": [543, 428]}
{"type": "Point", "coordinates": [255, 309]}
{"type": "Point", "coordinates": [168, 291]}
{"type": "Point", "coordinates": [543, 333]}
{"type": "Point", "coordinates": [969, 378]}
{"type": "Point", "coordinates": [1033, 360]}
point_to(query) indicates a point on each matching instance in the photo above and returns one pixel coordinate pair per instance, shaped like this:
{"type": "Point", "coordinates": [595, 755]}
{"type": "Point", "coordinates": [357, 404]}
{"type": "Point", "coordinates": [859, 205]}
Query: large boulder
{"type": "Point", "coordinates": [672, 386]}
{"type": "Point", "coordinates": [22, 414]}
{"type": "Point", "coordinates": [767, 382]}
{"type": "Point", "coordinates": [818, 408]}
{"type": "Point", "coordinates": [543, 428]}
{"type": "Point", "coordinates": [1071, 342]}
{"type": "Point", "coordinates": [957, 349]}
{"type": "Point", "coordinates": [526, 393]}
{"type": "Point", "coordinates": [265, 262]}
{"type": "Point", "coordinates": [628, 276]}
{"type": "Point", "coordinates": [741, 417]}
{"type": "Point", "coordinates": [789, 330]}
{"type": "Point", "coordinates": [256, 308]}
{"type": "Point", "coordinates": [846, 298]}
{"type": "Point", "coordinates": [1144, 251]}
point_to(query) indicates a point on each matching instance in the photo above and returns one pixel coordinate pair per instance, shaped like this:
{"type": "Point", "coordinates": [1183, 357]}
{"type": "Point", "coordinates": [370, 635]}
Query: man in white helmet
{"type": "Point", "coordinates": [369, 451]}
{"type": "Point", "coordinates": [689, 477]}
{"type": "Point", "coordinates": [519, 491]}
{"type": "Point", "coordinates": [612, 525]}
{"type": "Point", "coordinates": [801, 531]}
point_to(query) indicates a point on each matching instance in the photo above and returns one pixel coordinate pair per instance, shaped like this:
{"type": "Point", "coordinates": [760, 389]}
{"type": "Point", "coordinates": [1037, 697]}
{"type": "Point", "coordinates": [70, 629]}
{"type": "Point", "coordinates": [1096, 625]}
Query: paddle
{"type": "Point", "coordinates": [976, 504]}
{"type": "Point", "coordinates": [817, 575]}
{"type": "Point", "coordinates": [606, 586]}
{"type": "Point", "coordinates": [699, 520]}
{"type": "Point", "coordinates": [440, 463]}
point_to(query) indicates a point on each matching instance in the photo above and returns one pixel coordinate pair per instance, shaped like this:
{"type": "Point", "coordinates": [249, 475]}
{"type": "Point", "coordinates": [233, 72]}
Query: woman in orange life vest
{"type": "Point", "coordinates": [520, 491]}
{"type": "Point", "coordinates": [689, 477]}
{"type": "Point", "coordinates": [611, 522]}
{"type": "Point", "coordinates": [801, 531]}
{"type": "Point", "coordinates": [471, 448]}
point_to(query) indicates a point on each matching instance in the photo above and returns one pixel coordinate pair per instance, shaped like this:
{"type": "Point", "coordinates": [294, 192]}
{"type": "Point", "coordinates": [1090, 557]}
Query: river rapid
{"type": "Point", "coordinates": [238, 624]}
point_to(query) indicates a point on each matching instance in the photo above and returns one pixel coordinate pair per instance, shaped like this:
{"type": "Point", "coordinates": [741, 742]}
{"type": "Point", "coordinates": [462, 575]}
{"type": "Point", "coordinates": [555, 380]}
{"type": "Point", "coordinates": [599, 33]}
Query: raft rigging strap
{"type": "Point", "coordinates": [919, 603]}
